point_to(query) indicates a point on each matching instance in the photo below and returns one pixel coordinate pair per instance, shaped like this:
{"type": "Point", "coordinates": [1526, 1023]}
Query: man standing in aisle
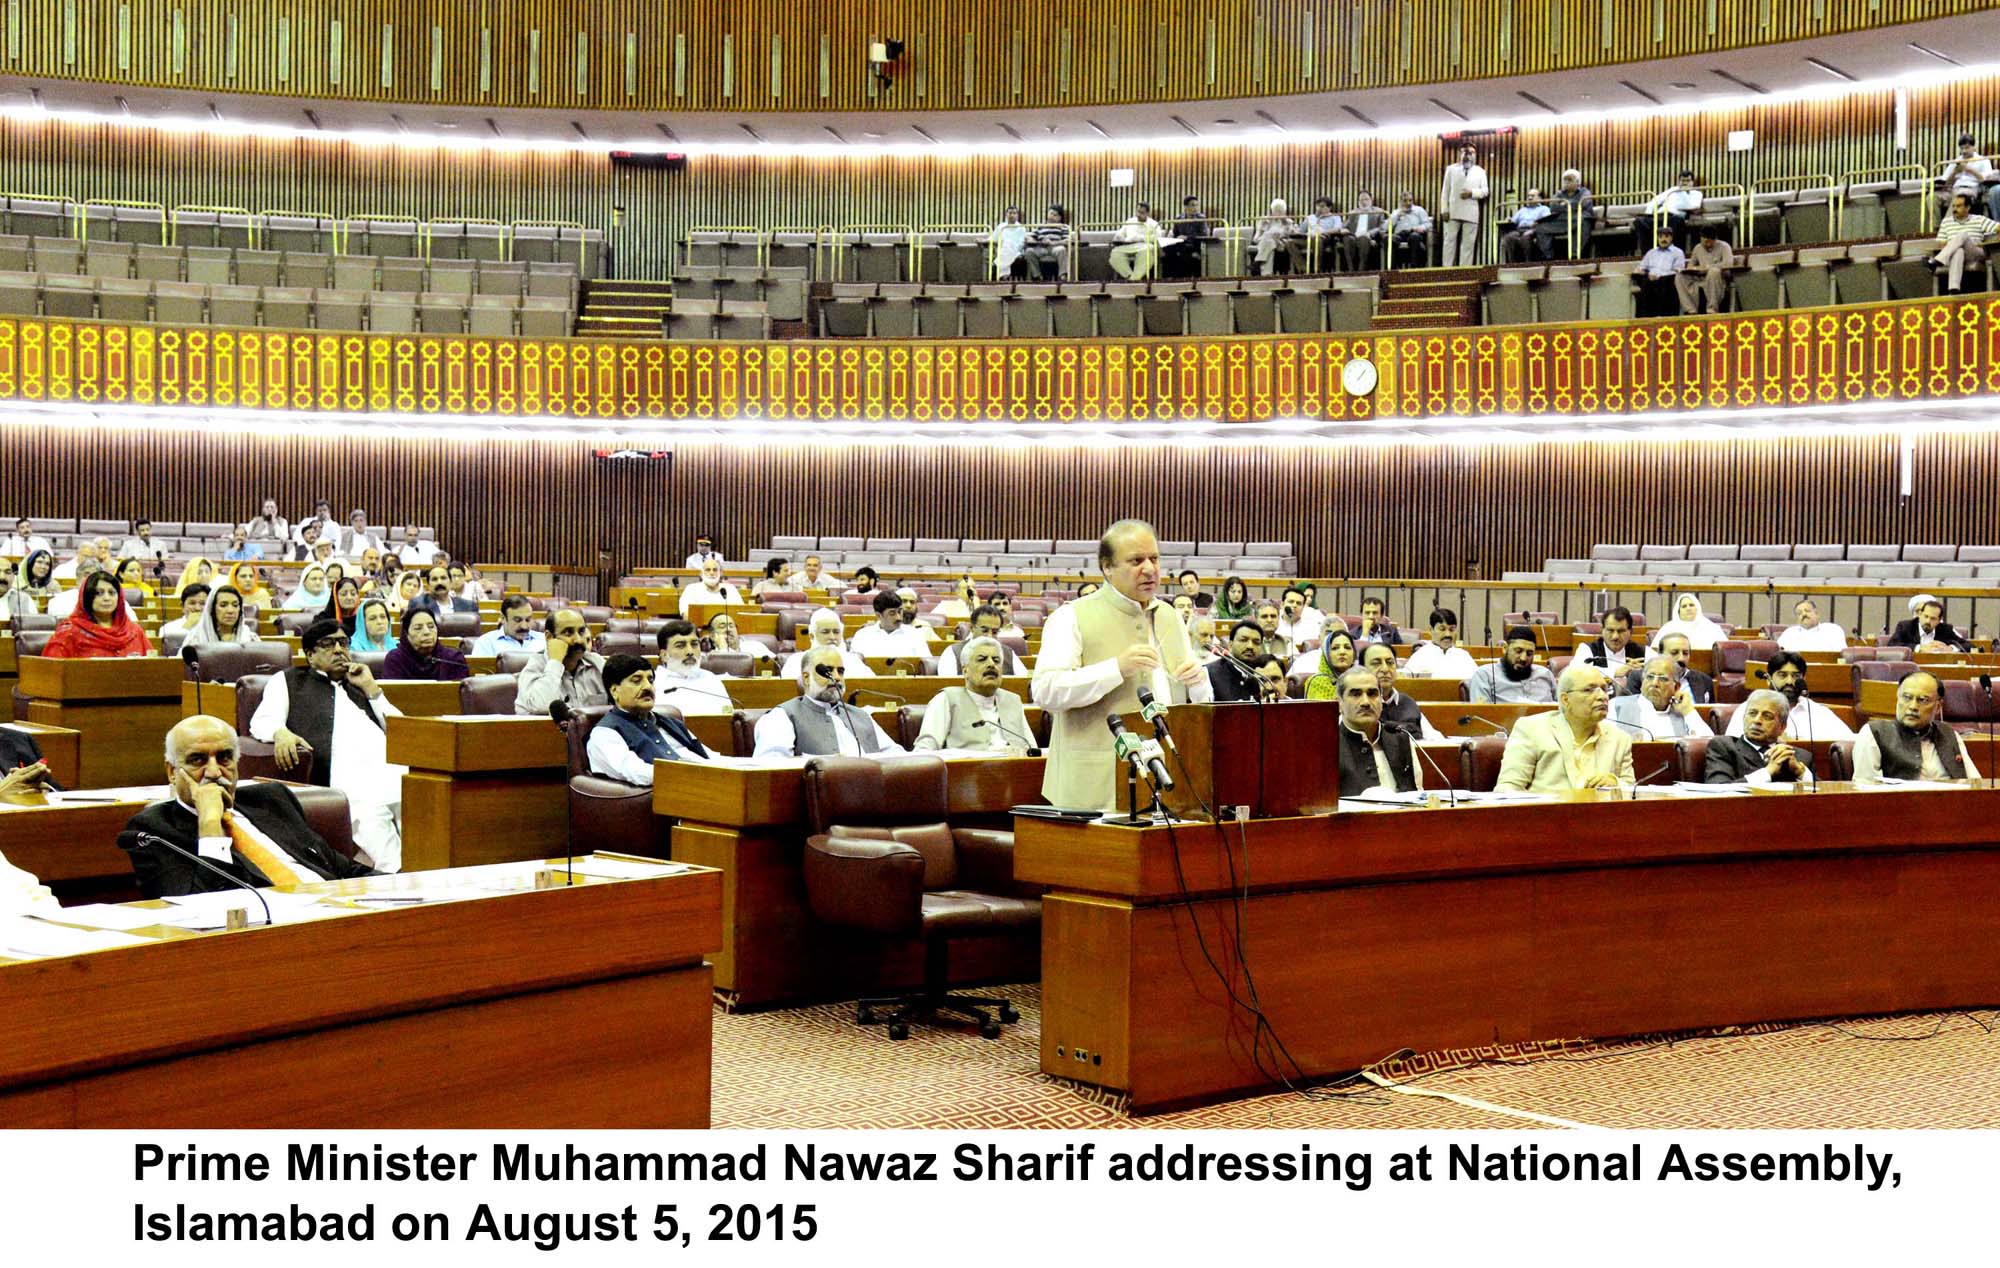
{"type": "Point", "coordinates": [1464, 197]}
{"type": "Point", "coordinates": [1096, 653]}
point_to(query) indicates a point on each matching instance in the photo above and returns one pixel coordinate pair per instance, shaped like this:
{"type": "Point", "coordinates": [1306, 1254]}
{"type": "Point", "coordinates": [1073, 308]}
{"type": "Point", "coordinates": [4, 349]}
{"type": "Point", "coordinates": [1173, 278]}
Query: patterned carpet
{"type": "Point", "coordinates": [813, 1068]}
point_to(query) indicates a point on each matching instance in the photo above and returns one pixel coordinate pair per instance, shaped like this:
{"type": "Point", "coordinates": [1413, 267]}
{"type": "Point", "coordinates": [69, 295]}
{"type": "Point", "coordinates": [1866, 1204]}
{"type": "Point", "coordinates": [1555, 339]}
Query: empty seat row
{"type": "Point", "coordinates": [292, 308]}
{"type": "Point", "coordinates": [781, 292]}
{"type": "Point", "coordinates": [1817, 553]}
{"type": "Point", "coordinates": [717, 319]}
{"type": "Point", "coordinates": [1014, 545]}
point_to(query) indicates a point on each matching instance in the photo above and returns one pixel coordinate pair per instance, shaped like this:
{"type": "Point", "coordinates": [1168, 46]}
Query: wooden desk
{"type": "Point", "coordinates": [750, 822]}
{"type": "Point", "coordinates": [1588, 916]}
{"type": "Point", "coordinates": [494, 1000]}
{"type": "Point", "coordinates": [122, 709]}
{"type": "Point", "coordinates": [61, 749]}
{"type": "Point", "coordinates": [480, 789]}
{"type": "Point", "coordinates": [10, 674]}
{"type": "Point", "coordinates": [766, 693]}
{"type": "Point", "coordinates": [69, 843]}
{"type": "Point", "coordinates": [1452, 719]}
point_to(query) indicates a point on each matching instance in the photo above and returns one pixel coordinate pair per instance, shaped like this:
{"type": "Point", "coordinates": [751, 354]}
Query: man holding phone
{"type": "Point", "coordinates": [565, 669]}
{"type": "Point", "coordinates": [332, 710]}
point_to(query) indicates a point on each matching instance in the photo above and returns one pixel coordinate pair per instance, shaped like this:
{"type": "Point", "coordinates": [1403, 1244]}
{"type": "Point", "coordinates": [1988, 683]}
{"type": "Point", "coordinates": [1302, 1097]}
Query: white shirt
{"type": "Point", "coordinates": [1966, 180]}
{"type": "Point", "coordinates": [776, 737]}
{"type": "Point", "coordinates": [1808, 720]}
{"type": "Point", "coordinates": [63, 604]}
{"type": "Point", "coordinates": [493, 642]}
{"type": "Point", "coordinates": [938, 720]}
{"type": "Point", "coordinates": [1660, 722]}
{"type": "Point", "coordinates": [1432, 661]}
{"type": "Point", "coordinates": [702, 592]}
{"type": "Point", "coordinates": [693, 691]}
{"type": "Point", "coordinates": [948, 663]}
{"type": "Point", "coordinates": [904, 640]}
{"type": "Point", "coordinates": [696, 560]}
{"type": "Point", "coordinates": [798, 581]}
{"type": "Point", "coordinates": [139, 548]}
{"type": "Point", "coordinates": [1762, 775]}
{"type": "Point", "coordinates": [856, 667]}
{"type": "Point", "coordinates": [179, 625]}
{"type": "Point", "coordinates": [1824, 637]}
{"type": "Point", "coordinates": [21, 547]}
{"type": "Point", "coordinates": [222, 849]}
{"type": "Point", "coordinates": [1307, 631]}
{"type": "Point", "coordinates": [418, 552]}
{"type": "Point", "coordinates": [359, 765]}
{"type": "Point", "coordinates": [1063, 681]}
{"type": "Point", "coordinates": [352, 543]}
{"type": "Point", "coordinates": [612, 757]}
{"type": "Point", "coordinates": [66, 570]}
{"type": "Point", "coordinates": [1868, 759]}
{"type": "Point", "coordinates": [748, 647]}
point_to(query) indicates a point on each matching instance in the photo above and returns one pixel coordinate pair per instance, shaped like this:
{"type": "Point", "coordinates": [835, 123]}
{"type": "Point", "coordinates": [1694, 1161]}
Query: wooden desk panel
{"type": "Point", "coordinates": [1523, 922]}
{"type": "Point", "coordinates": [480, 789]}
{"type": "Point", "coordinates": [1826, 682]}
{"type": "Point", "coordinates": [122, 710]}
{"type": "Point", "coordinates": [61, 749]}
{"type": "Point", "coordinates": [766, 693]}
{"type": "Point", "coordinates": [453, 743]}
{"type": "Point", "coordinates": [420, 697]}
{"type": "Point", "coordinates": [1448, 718]}
{"type": "Point", "coordinates": [63, 841]}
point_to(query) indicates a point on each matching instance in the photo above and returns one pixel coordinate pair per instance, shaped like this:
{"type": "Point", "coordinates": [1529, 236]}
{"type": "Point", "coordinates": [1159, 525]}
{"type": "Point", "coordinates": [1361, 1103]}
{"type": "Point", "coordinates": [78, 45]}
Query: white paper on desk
{"type": "Point", "coordinates": [1688, 786]}
{"type": "Point", "coordinates": [1361, 805]}
{"type": "Point", "coordinates": [1388, 796]}
{"type": "Point", "coordinates": [625, 869]}
{"type": "Point", "coordinates": [23, 938]}
{"type": "Point", "coordinates": [1910, 785]}
{"type": "Point", "coordinates": [106, 916]}
{"type": "Point", "coordinates": [210, 909]}
{"type": "Point", "coordinates": [1507, 794]}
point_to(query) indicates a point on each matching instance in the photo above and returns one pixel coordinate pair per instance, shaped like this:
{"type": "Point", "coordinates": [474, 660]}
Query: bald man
{"type": "Point", "coordinates": [1572, 749]}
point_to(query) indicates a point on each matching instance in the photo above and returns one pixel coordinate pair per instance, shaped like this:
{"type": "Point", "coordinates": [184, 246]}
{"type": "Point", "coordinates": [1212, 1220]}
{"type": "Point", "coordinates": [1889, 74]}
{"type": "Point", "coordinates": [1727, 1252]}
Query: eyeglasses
{"type": "Point", "coordinates": [1661, 678]}
{"type": "Point", "coordinates": [1916, 699]}
{"type": "Point", "coordinates": [196, 763]}
{"type": "Point", "coordinates": [1597, 689]}
{"type": "Point", "coordinates": [829, 672]}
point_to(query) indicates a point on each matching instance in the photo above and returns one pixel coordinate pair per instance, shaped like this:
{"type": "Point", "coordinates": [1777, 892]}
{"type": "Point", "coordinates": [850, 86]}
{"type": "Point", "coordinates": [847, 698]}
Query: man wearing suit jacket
{"type": "Point", "coordinates": [1701, 687]}
{"type": "Point", "coordinates": [1759, 755]}
{"type": "Point", "coordinates": [19, 752]}
{"type": "Point", "coordinates": [1928, 631]}
{"type": "Point", "coordinates": [257, 833]}
{"type": "Point", "coordinates": [1573, 749]}
{"type": "Point", "coordinates": [1611, 651]}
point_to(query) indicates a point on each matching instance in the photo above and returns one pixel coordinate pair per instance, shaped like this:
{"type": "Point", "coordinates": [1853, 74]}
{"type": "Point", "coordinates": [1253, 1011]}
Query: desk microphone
{"type": "Point", "coordinates": [560, 713]}
{"type": "Point", "coordinates": [1034, 750]}
{"type": "Point", "coordinates": [1470, 718]}
{"type": "Point", "coordinates": [855, 695]}
{"type": "Point", "coordinates": [1645, 731]}
{"type": "Point", "coordinates": [1135, 751]}
{"type": "Point", "coordinates": [1986, 685]}
{"type": "Point", "coordinates": [696, 691]}
{"type": "Point", "coordinates": [135, 840]}
{"type": "Point", "coordinates": [1156, 713]}
{"type": "Point", "coordinates": [191, 657]}
{"type": "Point", "coordinates": [1661, 769]}
{"type": "Point", "coordinates": [1417, 747]}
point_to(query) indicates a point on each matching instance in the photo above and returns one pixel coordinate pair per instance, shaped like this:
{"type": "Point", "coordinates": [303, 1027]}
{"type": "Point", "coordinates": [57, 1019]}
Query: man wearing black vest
{"type": "Point", "coordinates": [1916, 744]}
{"type": "Point", "coordinates": [256, 832]}
{"type": "Point", "coordinates": [333, 708]}
{"type": "Point", "coordinates": [630, 737]}
{"type": "Point", "coordinates": [1371, 755]}
{"type": "Point", "coordinates": [817, 722]}
{"type": "Point", "coordinates": [1234, 677]}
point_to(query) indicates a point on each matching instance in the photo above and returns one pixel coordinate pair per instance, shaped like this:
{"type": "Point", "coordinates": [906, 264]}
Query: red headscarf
{"type": "Point", "coordinates": [79, 637]}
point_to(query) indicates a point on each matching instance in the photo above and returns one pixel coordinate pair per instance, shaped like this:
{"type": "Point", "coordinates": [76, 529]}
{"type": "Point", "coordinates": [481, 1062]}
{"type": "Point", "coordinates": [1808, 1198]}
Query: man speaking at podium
{"type": "Point", "coordinates": [1097, 652]}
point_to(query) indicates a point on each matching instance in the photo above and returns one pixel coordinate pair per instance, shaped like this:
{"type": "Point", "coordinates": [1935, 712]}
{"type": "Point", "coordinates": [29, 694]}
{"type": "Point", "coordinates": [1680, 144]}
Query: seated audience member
{"type": "Point", "coordinates": [1380, 659]}
{"type": "Point", "coordinates": [1135, 245]}
{"type": "Point", "coordinates": [1659, 277]}
{"type": "Point", "coordinates": [90, 556]}
{"type": "Point", "coordinates": [1271, 682]}
{"type": "Point", "coordinates": [1706, 277]}
{"type": "Point", "coordinates": [312, 594]}
{"type": "Point", "coordinates": [376, 574]}
{"type": "Point", "coordinates": [1612, 650]}
{"type": "Point", "coordinates": [1208, 645]}
{"type": "Point", "coordinates": [1184, 608]}
{"type": "Point", "coordinates": [631, 735]}
{"type": "Point", "coordinates": [866, 580]}
{"type": "Point", "coordinates": [1008, 239]}
{"type": "Point", "coordinates": [407, 591]}
{"type": "Point", "coordinates": [222, 621]}
{"type": "Point", "coordinates": [812, 577]}
{"type": "Point", "coordinates": [142, 545]}
{"type": "Point", "coordinates": [1699, 684]}
{"type": "Point", "coordinates": [24, 540]}
{"type": "Point", "coordinates": [912, 620]}
{"type": "Point", "coordinates": [1757, 753]}
{"type": "Point", "coordinates": [250, 584]}
{"type": "Point", "coordinates": [1367, 227]}
{"type": "Point", "coordinates": [268, 525]}
{"type": "Point", "coordinates": [194, 600]}
{"type": "Point", "coordinates": [1515, 678]}
{"type": "Point", "coordinates": [1375, 627]}
{"type": "Point", "coordinates": [1928, 631]}
{"type": "Point", "coordinates": [564, 669]}
{"type": "Point", "coordinates": [22, 767]}
{"type": "Point", "coordinates": [1275, 644]}
{"type": "Point", "coordinates": [372, 630]}
{"type": "Point", "coordinates": [36, 577]}
{"type": "Point", "coordinates": [1573, 748]}
{"type": "Point", "coordinates": [1300, 624]}
{"type": "Point", "coordinates": [1916, 743]}
{"type": "Point", "coordinates": [438, 595]}
{"type": "Point", "coordinates": [464, 586]}
{"type": "Point", "coordinates": [1812, 634]}
{"type": "Point", "coordinates": [1235, 603]}
{"type": "Point", "coordinates": [1961, 244]}
{"type": "Point", "coordinates": [1669, 211]}
{"type": "Point", "coordinates": [242, 549]}
{"type": "Point", "coordinates": [1664, 707]}
{"type": "Point", "coordinates": [722, 637]}
{"type": "Point", "coordinates": [421, 654]}
{"type": "Point", "coordinates": [413, 550]}
{"type": "Point", "coordinates": [21, 894]}
{"type": "Point", "coordinates": [1325, 224]}
{"type": "Point", "coordinates": [332, 708]}
{"type": "Point", "coordinates": [1087, 589]}
{"type": "Point", "coordinates": [985, 624]}
{"type": "Point", "coordinates": [1410, 233]}
{"type": "Point", "coordinates": [307, 547]}
{"type": "Point", "coordinates": [1520, 242]}
{"type": "Point", "coordinates": [774, 578]}
{"type": "Point", "coordinates": [345, 603]}
{"type": "Point", "coordinates": [704, 551]}
{"type": "Point", "coordinates": [1805, 718]}
{"type": "Point", "coordinates": [1968, 174]}
{"type": "Point", "coordinates": [681, 681]}
{"type": "Point", "coordinates": [15, 603]}
{"type": "Point", "coordinates": [888, 636]}
{"type": "Point", "coordinates": [1180, 252]}
{"type": "Point", "coordinates": [1048, 245]}
{"type": "Point", "coordinates": [321, 553]}
{"type": "Point", "coordinates": [101, 625]}
{"type": "Point", "coordinates": [958, 606]}
{"type": "Point", "coordinates": [1572, 199]}
{"type": "Point", "coordinates": [710, 589]}
{"type": "Point", "coordinates": [1003, 603]}
{"type": "Point", "coordinates": [817, 721]}
{"type": "Point", "coordinates": [322, 515]}
{"type": "Point", "coordinates": [1190, 583]}
{"type": "Point", "coordinates": [1372, 755]}
{"type": "Point", "coordinates": [1336, 657]}
{"type": "Point", "coordinates": [515, 633]}
{"type": "Point", "coordinates": [825, 630]}
{"type": "Point", "coordinates": [131, 574]}
{"type": "Point", "coordinates": [256, 832]}
{"type": "Point", "coordinates": [1233, 677]}
{"type": "Point", "coordinates": [1271, 239]}
{"type": "Point", "coordinates": [356, 539]}
{"type": "Point", "coordinates": [981, 714]}
{"type": "Point", "coordinates": [1702, 633]}
{"type": "Point", "coordinates": [198, 569]}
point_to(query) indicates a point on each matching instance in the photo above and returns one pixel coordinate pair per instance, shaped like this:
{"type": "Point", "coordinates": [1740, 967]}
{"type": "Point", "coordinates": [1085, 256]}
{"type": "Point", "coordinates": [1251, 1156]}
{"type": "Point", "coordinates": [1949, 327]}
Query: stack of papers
{"type": "Point", "coordinates": [25, 938]}
{"type": "Point", "coordinates": [211, 910]}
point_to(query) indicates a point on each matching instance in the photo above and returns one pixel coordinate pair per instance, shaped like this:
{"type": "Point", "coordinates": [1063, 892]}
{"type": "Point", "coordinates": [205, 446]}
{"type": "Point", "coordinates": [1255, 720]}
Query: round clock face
{"type": "Point", "coordinates": [1358, 377]}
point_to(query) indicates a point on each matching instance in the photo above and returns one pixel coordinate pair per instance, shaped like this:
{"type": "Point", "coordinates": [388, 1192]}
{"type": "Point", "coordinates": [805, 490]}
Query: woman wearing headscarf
{"type": "Point", "coordinates": [37, 575]}
{"type": "Point", "coordinates": [344, 603]}
{"type": "Point", "coordinates": [1702, 633]}
{"type": "Point", "coordinates": [312, 593]}
{"type": "Point", "coordinates": [101, 626]}
{"type": "Point", "coordinates": [371, 628]}
{"type": "Point", "coordinates": [221, 621]}
{"type": "Point", "coordinates": [1234, 603]}
{"type": "Point", "coordinates": [421, 654]}
{"type": "Point", "coordinates": [250, 584]}
{"type": "Point", "coordinates": [408, 586]}
{"type": "Point", "coordinates": [1336, 657]}
{"type": "Point", "coordinates": [198, 571]}
{"type": "Point", "coordinates": [132, 576]}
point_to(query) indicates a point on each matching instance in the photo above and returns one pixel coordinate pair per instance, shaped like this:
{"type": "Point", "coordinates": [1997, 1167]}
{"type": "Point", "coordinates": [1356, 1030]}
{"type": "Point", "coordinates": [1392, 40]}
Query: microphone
{"type": "Point", "coordinates": [1131, 749]}
{"type": "Point", "coordinates": [1661, 769]}
{"type": "Point", "coordinates": [134, 840]}
{"type": "Point", "coordinates": [1986, 685]}
{"type": "Point", "coordinates": [1645, 731]}
{"type": "Point", "coordinates": [559, 712]}
{"type": "Point", "coordinates": [855, 695]}
{"type": "Point", "coordinates": [1156, 713]}
{"type": "Point", "coordinates": [694, 691]}
{"type": "Point", "coordinates": [1470, 718]}
{"type": "Point", "coordinates": [1417, 747]}
{"type": "Point", "coordinates": [191, 656]}
{"type": "Point", "coordinates": [1033, 749]}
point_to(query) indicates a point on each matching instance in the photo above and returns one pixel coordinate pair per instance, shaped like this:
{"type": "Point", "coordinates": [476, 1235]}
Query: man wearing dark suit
{"type": "Point", "coordinates": [1760, 755]}
{"type": "Point", "coordinates": [21, 762]}
{"type": "Point", "coordinates": [1929, 631]}
{"type": "Point", "coordinates": [1699, 685]}
{"type": "Point", "coordinates": [1611, 651]}
{"type": "Point", "coordinates": [257, 833]}
{"type": "Point", "coordinates": [1234, 677]}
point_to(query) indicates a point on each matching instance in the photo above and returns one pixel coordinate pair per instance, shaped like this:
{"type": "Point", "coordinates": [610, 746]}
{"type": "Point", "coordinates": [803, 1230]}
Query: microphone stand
{"type": "Point", "coordinates": [139, 839]}
{"type": "Point", "coordinates": [560, 714]}
{"type": "Point", "coordinates": [1986, 685]}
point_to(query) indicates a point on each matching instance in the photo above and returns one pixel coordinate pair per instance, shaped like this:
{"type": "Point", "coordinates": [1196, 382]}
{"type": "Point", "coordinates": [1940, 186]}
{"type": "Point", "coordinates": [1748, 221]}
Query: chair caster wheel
{"type": "Point", "coordinates": [864, 1016]}
{"type": "Point", "coordinates": [897, 1030]}
{"type": "Point", "coordinates": [989, 1030]}
{"type": "Point", "coordinates": [1008, 1015]}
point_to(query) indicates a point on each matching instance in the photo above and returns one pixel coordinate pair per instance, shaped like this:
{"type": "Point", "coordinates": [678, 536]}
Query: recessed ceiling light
{"type": "Point", "coordinates": [1684, 87]}
{"type": "Point", "coordinates": [1227, 123]}
{"type": "Point", "coordinates": [1584, 96]}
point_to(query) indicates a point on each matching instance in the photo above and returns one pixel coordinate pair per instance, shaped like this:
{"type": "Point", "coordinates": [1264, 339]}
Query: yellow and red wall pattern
{"type": "Point", "coordinates": [1919, 350]}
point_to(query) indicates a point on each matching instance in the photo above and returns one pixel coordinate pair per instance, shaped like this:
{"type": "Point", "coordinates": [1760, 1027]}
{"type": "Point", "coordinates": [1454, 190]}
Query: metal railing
{"type": "Point", "coordinates": [1769, 186]}
{"type": "Point", "coordinates": [1872, 175]}
{"type": "Point", "coordinates": [987, 237]}
{"type": "Point", "coordinates": [174, 218]}
{"type": "Point", "coordinates": [582, 251]}
{"type": "Point", "coordinates": [417, 228]}
{"type": "Point", "coordinates": [862, 231]}
{"type": "Point", "coordinates": [729, 233]}
{"type": "Point", "coordinates": [1151, 242]}
{"type": "Point", "coordinates": [82, 215]}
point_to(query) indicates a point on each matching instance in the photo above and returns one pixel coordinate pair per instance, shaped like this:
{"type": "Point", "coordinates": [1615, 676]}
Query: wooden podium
{"type": "Point", "coordinates": [122, 710]}
{"type": "Point", "coordinates": [480, 789]}
{"type": "Point", "coordinates": [1277, 759]}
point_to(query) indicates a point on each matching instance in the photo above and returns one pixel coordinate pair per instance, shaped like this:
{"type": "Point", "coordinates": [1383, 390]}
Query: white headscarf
{"type": "Point", "coordinates": [305, 598]}
{"type": "Point", "coordinates": [1702, 633]}
{"type": "Point", "coordinates": [204, 632]}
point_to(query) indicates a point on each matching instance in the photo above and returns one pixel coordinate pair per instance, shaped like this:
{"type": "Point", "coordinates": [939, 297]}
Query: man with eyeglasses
{"type": "Point", "coordinates": [1663, 709]}
{"type": "Point", "coordinates": [1916, 743]}
{"type": "Point", "coordinates": [256, 832]}
{"type": "Point", "coordinates": [819, 721]}
{"type": "Point", "coordinates": [1575, 748]}
{"type": "Point", "coordinates": [332, 709]}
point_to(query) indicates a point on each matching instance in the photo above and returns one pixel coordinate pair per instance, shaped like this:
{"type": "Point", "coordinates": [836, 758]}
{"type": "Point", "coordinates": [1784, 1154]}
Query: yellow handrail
{"type": "Point", "coordinates": [1497, 225]}
{"type": "Point", "coordinates": [909, 242]}
{"type": "Point", "coordinates": [819, 243]}
{"type": "Point", "coordinates": [985, 231]}
{"type": "Point", "coordinates": [429, 236]}
{"type": "Point", "coordinates": [82, 214]}
{"type": "Point", "coordinates": [1152, 240]}
{"type": "Point", "coordinates": [1785, 185]}
{"type": "Point", "coordinates": [559, 225]}
{"type": "Point", "coordinates": [174, 217]}
{"type": "Point", "coordinates": [69, 204]}
{"type": "Point", "coordinates": [340, 234]}
{"type": "Point", "coordinates": [257, 224]}
{"type": "Point", "coordinates": [1869, 175]}
{"type": "Point", "coordinates": [756, 234]}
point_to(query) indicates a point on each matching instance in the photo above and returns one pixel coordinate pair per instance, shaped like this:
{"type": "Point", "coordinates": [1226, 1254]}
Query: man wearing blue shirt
{"type": "Point", "coordinates": [1517, 245]}
{"type": "Point", "coordinates": [1659, 274]}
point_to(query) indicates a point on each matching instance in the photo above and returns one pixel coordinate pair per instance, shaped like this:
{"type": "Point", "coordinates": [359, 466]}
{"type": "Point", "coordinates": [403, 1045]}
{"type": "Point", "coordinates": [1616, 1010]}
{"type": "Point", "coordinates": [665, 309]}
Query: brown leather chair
{"type": "Point", "coordinates": [327, 813]}
{"type": "Point", "coordinates": [909, 724]}
{"type": "Point", "coordinates": [631, 643]}
{"type": "Point", "coordinates": [31, 642]}
{"type": "Point", "coordinates": [743, 730]}
{"type": "Point", "coordinates": [729, 664]}
{"type": "Point", "coordinates": [254, 758]}
{"type": "Point", "coordinates": [1840, 754]}
{"type": "Point", "coordinates": [606, 814]}
{"type": "Point", "coordinates": [1693, 750]}
{"type": "Point", "coordinates": [511, 662]}
{"type": "Point", "coordinates": [1970, 707]}
{"type": "Point", "coordinates": [227, 662]}
{"type": "Point", "coordinates": [883, 862]}
{"type": "Point", "coordinates": [294, 622]}
{"type": "Point", "coordinates": [458, 625]}
{"type": "Point", "coordinates": [488, 694]}
{"type": "Point", "coordinates": [374, 661]}
{"type": "Point", "coordinates": [1479, 762]}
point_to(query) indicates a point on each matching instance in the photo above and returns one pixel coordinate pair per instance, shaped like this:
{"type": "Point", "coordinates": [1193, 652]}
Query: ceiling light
{"type": "Point", "coordinates": [1682, 85]}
